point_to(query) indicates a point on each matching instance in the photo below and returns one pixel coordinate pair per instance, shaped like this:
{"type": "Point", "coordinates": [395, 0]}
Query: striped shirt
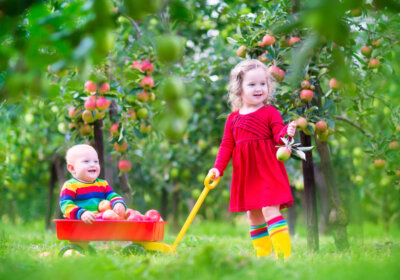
{"type": "Point", "coordinates": [76, 197]}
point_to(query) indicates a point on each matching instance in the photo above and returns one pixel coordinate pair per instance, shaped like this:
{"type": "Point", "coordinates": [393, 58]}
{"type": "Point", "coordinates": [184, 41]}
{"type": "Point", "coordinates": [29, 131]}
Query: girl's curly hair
{"type": "Point", "coordinates": [236, 79]}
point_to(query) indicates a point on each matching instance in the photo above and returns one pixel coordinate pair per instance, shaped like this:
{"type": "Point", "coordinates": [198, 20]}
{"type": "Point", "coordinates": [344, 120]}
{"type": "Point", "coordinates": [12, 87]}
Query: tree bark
{"type": "Point", "coordinates": [50, 196]}
{"type": "Point", "coordinates": [126, 189]}
{"type": "Point", "coordinates": [175, 207]}
{"type": "Point", "coordinates": [61, 178]}
{"type": "Point", "coordinates": [323, 199]}
{"type": "Point", "coordinates": [338, 216]}
{"type": "Point", "coordinates": [99, 146]}
{"type": "Point", "coordinates": [310, 198]}
{"type": "Point", "coordinates": [164, 203]}
{"type": "Point", "coordinates": [292, 215]}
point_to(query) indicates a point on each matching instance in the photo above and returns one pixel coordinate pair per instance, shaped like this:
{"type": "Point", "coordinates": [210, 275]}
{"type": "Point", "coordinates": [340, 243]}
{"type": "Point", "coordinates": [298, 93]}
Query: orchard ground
{"type": "Point", "coordinates": [210, 250]}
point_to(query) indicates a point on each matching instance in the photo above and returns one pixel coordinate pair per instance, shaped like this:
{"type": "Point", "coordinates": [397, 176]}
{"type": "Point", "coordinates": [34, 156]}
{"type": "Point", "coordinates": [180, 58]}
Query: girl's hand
{"type": "Point", "coordinates": [214, 172]}
{"type": "Point", "coordinates": [88, 217]}
{"type": "Point", "coordinates": [119, 208]}
{"type": "Point", "coordinates": [291, 130]}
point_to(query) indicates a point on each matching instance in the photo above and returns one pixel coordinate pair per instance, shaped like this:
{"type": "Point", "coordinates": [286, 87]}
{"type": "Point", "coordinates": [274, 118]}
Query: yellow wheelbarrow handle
{"type": "Point", "coordinates": [207, 188]}
{"type": "Point", "coordinates": [207, 180]}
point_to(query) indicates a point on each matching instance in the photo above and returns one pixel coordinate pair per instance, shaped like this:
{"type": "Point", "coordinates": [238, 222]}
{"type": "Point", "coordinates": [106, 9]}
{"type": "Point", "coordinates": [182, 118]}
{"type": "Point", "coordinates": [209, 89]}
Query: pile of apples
{"type": "Point", "coordinates": [106, 213]}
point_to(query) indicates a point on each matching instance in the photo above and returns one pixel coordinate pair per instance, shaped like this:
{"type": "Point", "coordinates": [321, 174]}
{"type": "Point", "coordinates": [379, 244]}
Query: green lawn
{"type": "Point", "coordinates": [210, 250]}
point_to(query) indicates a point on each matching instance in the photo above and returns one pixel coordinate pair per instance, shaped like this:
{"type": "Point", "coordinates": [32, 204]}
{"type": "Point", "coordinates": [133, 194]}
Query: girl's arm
{"type": "Point", "coordinates": [279, 129]}
{"type": "Point", "coordinates": [225, 149]}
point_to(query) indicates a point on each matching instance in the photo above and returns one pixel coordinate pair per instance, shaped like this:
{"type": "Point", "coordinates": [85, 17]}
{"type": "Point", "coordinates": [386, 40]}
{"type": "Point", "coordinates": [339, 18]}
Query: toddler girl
{"type": "Point", "coordinates": [260, 185]}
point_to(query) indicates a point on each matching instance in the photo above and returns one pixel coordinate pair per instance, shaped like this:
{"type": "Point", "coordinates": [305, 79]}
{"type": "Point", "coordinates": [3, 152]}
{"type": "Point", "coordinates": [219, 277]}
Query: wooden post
{"type": "Point", "coordinates": [310, 197]}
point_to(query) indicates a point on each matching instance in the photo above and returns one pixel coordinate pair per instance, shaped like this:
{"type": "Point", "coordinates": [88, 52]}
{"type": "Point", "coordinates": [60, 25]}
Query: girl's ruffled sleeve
{"type": "Point", "coordinates": [279, 129]}
{"type": "Point", "coordinates": [225, 149]}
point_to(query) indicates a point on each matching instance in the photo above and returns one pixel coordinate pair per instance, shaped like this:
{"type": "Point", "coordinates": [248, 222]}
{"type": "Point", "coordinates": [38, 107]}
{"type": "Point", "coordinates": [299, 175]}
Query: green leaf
{"type": "Point", "coordinates": [83, 49]}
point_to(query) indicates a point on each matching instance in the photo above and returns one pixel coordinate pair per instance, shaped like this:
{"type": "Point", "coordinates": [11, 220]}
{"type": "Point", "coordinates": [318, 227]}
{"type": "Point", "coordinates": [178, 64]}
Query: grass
{"type": "Point", "coordinates": [210, 250]}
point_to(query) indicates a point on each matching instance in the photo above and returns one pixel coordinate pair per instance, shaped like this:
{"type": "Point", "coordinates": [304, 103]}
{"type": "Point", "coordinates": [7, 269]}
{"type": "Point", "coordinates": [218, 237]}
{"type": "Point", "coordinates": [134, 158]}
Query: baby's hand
{"type": "Point", "coordinates": [291, 130]}
{"type": "Point", "coordinates": [214, 172]}
{"type": "Point", "coordinates": [119, 208]}
{"type": "Point", "coordinates": [88, 217]}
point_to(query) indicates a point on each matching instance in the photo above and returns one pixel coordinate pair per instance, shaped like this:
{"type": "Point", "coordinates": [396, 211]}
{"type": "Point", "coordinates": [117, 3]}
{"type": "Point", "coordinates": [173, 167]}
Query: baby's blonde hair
{"type": "Point", "coordinates": [236, 80]}
{"type": "Point", "coordinates": [77, 150]}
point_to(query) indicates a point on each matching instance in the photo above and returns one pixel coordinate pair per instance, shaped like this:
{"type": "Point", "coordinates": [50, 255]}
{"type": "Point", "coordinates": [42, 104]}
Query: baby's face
{"type": "Point", "coordinates": [86, 166]}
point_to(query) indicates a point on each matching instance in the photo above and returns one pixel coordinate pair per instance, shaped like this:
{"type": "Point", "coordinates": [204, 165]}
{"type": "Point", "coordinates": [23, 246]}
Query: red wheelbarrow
{"type": "Point", "coordinates": [144, 235]}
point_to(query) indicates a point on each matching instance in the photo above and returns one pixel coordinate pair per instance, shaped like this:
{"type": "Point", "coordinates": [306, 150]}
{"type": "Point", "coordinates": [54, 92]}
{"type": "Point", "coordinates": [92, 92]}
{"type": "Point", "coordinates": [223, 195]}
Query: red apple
{"type": "Point", "coordinates": [136, 65]}
{"type": "Point", "coordinates": [104, 205]}
{"type": "Point", "coordinates": [102, 103]}
{"type": "Point", "coordinates": [147, 83]}
{"type": "Point", "coordinates": [394, 145]}
{"type": "Point", "coordinates": [321, 126]}
{"type": "Point", "coordinates": [301, 123]}
{"type": "Point", "coordinates": [98, 216]}
{"type": "Point", "coordinates": [129, 212]}
{"type": "Point", "coordinates": [90, 86]}
{"type": "Point", "coordinates": [143, 96]}
{"type": "Point", "coordinates": [376, 43]}
{"type": "Point", "coordinates": [380, 163]}
{"type": "Point", "coordinates": [137, 217]}
{"type": "Point", "coordinates": [87, 116]}
{"type": "Point", "coordinates": [305, 84]}
{"type": "Point", "coordinates": [277, 73]}
{"type": "Point", "coordinates": [131, 115]}
{"type": "Point", "coordinates": [90, 104]}
{"type": "Point", "coordinates": [124, 165]}
{"type": "Point", "coordinates": [114, 129]}
{"type": "Point", "coordinates": [294, 40]}
{"type": "Point", "coordinates": [153, 214]}
{"type": "Point", "coordinates": [147, 67]}
{"type": "Point", "coordinates": [241, 51]}
{"type": "Point", "coordinates": [283, 154]}
{"type": "Point", "coordinates": [373, 63]}
{"type": "Point", "coordinates": [121, 147]}
{"type": "Point", "coordinates": [306, 94]}
{"type": "Point", "coordinates": [268, 40]}
{"type": "Point", "coordinates": [104, 88]}
{"type": "Point", "coordinates": [334, 84]}
{"type": "Point", "coordinates": [110, 215]}
{"type": "Point", "coordinates": [366, 51]}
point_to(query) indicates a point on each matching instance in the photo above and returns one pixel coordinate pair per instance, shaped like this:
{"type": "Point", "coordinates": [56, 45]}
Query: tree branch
{"type": "Point", "coordinates": [347, 120]}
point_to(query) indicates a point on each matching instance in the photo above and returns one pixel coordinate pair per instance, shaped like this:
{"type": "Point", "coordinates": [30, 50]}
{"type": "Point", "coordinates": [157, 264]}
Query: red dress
{"type": "Point", "coordinates": [258, 178]}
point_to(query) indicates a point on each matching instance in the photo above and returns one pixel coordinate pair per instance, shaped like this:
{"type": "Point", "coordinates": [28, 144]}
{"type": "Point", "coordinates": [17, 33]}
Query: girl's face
{"type": "Point", "coordinates": [254, 88]}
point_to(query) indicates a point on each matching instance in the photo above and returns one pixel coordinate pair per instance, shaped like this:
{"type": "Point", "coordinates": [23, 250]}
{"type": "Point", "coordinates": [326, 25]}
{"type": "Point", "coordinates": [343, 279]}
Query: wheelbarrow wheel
{"type": "Point", "coordinates": [134, 249]}
{"type": "Point", "coordinates": [72, 247]}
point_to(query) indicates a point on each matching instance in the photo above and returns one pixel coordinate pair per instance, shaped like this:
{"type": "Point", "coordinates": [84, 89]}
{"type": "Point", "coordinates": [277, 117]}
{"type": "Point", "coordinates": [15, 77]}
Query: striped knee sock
{"type": "Point", "coordinates": [278, 230]}
{"type": "Point", "coordinates": [260, 239]}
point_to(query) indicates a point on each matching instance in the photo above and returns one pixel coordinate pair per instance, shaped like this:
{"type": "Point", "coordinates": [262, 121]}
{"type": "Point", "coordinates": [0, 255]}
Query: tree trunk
{"type": "Point", "coordinates": [164, 203]}
{"type": "Point", "coordinates": [175, 208]}
{"type": "Point", "coordinates": [292, 215]}
{"type": "Point", "coordinates": [61, 178]}
{"type": "Point", "coordinates": [50, 197]}
{"type": "Point", "coordinates": [337, 217]}
{"type": "Point", "coordinates": [126, 189]}
{"type": "Point", "coordinates": [309, 191]}
{"type": "Point", "coordinates": [99, 146]}
{"type": "Point", "coordinates": [323, 199]}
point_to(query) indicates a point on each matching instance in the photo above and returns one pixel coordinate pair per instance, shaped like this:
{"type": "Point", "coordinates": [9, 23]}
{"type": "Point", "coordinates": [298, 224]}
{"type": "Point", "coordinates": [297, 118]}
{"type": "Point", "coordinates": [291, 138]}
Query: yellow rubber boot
{"type": "Point", "coordinates": [279, 233]}
{"type": "Point", "coordinates": [261, 240]}
{"type": "Point", "coordinates": [262, 246]}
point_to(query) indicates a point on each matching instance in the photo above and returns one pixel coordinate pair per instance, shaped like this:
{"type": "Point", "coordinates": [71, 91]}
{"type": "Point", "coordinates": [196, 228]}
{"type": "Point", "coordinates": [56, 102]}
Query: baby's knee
{"type": "Point", "coordinates": [271, 212]}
